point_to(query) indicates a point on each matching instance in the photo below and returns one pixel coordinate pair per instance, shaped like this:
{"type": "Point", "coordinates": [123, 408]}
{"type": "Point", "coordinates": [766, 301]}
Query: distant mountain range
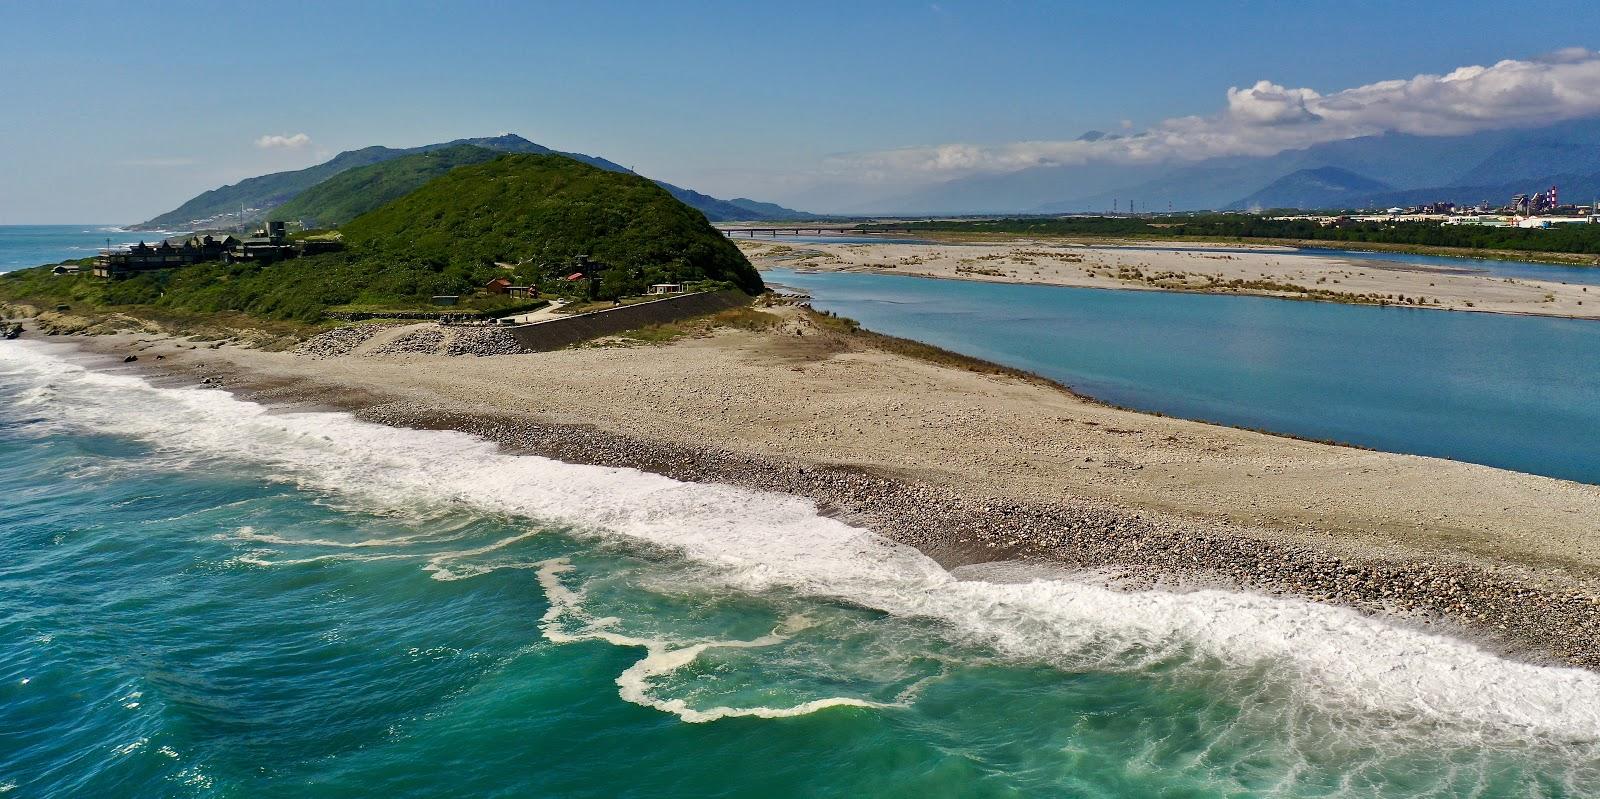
{"type": "Point", "coordinates": [1313, 188]}
{"type": "Point", "coordinates": [252, 199]}
{"type": "Point", "coordinates": [1489, 165]}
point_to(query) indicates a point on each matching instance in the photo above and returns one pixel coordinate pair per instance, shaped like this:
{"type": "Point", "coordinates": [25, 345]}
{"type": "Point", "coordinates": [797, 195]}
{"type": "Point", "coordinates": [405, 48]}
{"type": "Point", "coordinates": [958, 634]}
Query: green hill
{"type": "Point", "coordinates": [537, 211]}
{"type": "Point", "coordinates": [351, 193]}
{"type": "Point", "coordinates": [252, 199]}
{"type": "Point", "coordinates": [542, 211]}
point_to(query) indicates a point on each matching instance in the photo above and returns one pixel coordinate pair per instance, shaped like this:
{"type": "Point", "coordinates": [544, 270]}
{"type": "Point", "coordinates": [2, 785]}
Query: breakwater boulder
{"type": "Point", "coordinates": [482, 341]}
{"type": "Point", "coordinates": [425, 340]}
{"type": "Point", "coordinates": [336, 342]}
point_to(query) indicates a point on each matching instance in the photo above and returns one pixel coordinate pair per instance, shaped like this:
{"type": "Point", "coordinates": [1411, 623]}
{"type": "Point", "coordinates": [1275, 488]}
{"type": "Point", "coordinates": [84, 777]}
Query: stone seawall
{"type": "Point", "coordinates": [557, 333]}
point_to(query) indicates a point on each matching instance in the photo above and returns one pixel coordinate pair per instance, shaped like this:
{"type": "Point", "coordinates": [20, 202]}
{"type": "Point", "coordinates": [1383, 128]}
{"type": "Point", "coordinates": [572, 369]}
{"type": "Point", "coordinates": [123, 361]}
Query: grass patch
{"type": "Point", "coordinates": [742, 318]}
{"type": "Point", "coordinates": [655, 334]}
{"type": "Point", "coordinates": [745, 318]}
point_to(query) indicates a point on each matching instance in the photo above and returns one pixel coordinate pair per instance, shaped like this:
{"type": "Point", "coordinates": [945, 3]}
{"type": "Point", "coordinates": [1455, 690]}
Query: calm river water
{"type": "Point", "coordinates": [1516, 392]}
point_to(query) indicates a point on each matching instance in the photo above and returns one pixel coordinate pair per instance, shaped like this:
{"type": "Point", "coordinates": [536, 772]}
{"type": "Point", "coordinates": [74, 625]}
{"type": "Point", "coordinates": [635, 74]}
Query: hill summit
{"type": "Point", "coordinates": [543, 211]}
{"type": "Point", "coordinates": [351, 193]}
{"type": "Point", "coordinates": [253, 199]}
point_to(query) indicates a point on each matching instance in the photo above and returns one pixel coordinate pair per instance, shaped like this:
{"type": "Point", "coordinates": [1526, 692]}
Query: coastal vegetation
{"type": "Point", "coordinates": [1580, 239]}
{"type": "Point", "coordinates": [532, 213]}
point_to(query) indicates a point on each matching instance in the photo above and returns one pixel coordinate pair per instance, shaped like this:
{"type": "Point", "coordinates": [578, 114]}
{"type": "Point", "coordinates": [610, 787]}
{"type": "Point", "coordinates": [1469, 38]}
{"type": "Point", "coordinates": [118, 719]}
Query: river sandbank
{"type": "Point", "coordinates": [1263, 270]}
{"type": "Point", "coordinates": [975, 466]}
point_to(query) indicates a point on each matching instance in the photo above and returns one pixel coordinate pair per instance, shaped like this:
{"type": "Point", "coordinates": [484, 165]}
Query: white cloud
{"type": "Point", "coordinates": [1267, 118]}
{"type": "Point", "coordinates": [284, 141]}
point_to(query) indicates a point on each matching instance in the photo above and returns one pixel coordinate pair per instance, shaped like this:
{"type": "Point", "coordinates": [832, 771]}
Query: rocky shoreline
{"type": "Point", "coordinates": [1503, 610]}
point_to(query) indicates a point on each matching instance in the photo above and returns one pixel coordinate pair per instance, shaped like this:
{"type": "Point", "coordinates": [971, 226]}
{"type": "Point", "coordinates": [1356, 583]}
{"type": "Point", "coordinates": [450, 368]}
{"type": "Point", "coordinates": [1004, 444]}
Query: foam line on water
{"type": "Point", "coordinates": [248, 533]}
{"type": "Point", "coordinates": [438, 566]}
{"type": "Point", "coordinates": [1337, 657]}
{"type": "Point", "coordinates": [662, 657]}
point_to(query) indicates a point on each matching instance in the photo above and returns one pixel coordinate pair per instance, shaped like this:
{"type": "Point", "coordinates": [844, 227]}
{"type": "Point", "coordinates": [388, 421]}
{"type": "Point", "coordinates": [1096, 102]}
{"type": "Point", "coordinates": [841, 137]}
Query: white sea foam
{"type": "Point", "coordinates": [1336, 657]}
{"type": "Point", "coordinates": [663, 657]}
{"type": "Point", "coordinates": [251, 534]}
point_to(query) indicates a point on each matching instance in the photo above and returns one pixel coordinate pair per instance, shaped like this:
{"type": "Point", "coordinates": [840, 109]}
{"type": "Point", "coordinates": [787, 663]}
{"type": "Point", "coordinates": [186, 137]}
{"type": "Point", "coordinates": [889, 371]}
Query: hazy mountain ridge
{"type": "Point", "coordinates": [1404, 162]}
{"type": "Point", "coordinates": [1530, 158]}
{"type": "Point", "coordinates": [1324, 187]}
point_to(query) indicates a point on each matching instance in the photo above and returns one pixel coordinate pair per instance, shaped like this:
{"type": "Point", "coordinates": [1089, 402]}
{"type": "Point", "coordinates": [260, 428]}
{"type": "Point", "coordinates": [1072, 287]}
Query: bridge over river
{"type": "Point", "coordinates": [811, 230]}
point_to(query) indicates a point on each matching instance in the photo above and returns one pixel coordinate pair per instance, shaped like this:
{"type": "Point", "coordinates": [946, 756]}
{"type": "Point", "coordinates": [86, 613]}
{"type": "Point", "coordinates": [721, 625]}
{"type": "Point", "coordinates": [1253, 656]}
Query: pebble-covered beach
{"type": "Point", "coordinates": [1130, 549]}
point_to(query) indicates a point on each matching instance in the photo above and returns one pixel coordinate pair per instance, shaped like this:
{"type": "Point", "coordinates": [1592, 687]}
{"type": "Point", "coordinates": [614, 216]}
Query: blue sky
{"type": "Point", "coordinates": [114, 113]}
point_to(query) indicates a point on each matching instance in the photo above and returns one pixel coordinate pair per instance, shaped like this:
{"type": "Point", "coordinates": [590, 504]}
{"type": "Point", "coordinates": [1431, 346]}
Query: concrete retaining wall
{"type": "Point", "coordinates": [554, 334]}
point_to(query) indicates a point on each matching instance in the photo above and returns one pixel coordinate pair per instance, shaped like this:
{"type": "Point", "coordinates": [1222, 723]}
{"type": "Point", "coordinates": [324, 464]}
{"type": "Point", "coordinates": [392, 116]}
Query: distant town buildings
{"type": "Point", "coordinates": [1537, 210]}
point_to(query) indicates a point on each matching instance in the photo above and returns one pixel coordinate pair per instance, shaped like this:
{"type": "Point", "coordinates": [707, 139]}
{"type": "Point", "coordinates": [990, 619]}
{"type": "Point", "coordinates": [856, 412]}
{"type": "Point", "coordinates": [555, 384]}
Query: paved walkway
{"type": "Point", "coordinates": [543, 314]}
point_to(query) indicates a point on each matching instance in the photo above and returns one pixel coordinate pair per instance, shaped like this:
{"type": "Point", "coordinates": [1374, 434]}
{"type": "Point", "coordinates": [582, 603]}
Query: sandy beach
{"type": "Point", "coordinates": [973, 464]}
{"type": "Point", "coordinates": [1264, 270]}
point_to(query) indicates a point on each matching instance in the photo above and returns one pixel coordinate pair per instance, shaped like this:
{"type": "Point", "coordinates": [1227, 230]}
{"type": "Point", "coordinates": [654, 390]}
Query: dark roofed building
{"type": "Point", "coordinates": [144, 258]}
{"type": "Point", "coordinates": [272, 244]}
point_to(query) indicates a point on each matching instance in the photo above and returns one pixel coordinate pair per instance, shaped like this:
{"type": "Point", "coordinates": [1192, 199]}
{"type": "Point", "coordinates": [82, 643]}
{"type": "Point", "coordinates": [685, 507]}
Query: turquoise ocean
{"type": "Point", "coordinates": [202, 596]}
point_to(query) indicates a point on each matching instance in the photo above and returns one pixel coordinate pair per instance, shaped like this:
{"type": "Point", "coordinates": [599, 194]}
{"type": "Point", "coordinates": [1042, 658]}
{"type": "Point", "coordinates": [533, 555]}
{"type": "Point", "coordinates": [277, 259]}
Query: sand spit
{"type": "Point", "coordinates": [973, 468]}
{"type": "Point", "coordinates": [1266, 271]}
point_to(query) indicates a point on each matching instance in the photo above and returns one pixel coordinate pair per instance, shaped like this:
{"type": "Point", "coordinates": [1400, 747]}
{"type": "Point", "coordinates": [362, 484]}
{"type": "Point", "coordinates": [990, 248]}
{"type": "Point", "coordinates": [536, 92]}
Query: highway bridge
{"type": "Point", "coordinates": [773, 232]}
